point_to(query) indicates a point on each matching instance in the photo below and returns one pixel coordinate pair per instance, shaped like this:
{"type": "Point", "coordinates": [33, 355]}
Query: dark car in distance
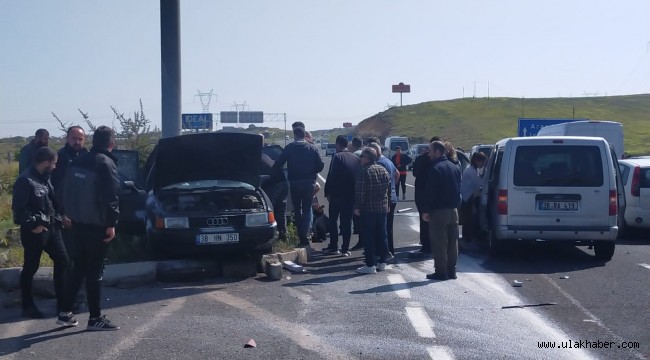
{"type": "Point", "coordinates": [203, 196]}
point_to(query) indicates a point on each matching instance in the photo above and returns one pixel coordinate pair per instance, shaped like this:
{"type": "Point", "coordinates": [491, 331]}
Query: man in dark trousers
{"type": "Point", "coordinates": [339, 191]}
{"type": "Point", "coordinates": [91, 202]}
{"type": "Point", "coordinates": [74, 146]}
{"type": "Point", "coordinates": [371, 202]}
{"type": "Point", "coordinates": [421, 173]}
{"type": "Point", "coordinates": [41, 138]}
{"type": "Point", "coordinates": [400, 161]}
{"type": "Point", "coordinates": [394, 178]}
{"type": "Point", "coordinates": [277, 188]}
{"type": "Point", "coordinates": [303, 165]}
{"type": "Point", "coordinates": [440, 209]}
{"type": "Point", "coordinates": [36, 211]}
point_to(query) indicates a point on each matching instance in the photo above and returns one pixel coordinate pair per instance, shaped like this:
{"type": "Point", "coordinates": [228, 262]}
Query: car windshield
{"type": "Point", "coordinates": [209, 184]}
{"type": "Point", "coordinates": [401, 143]}
{"type": "Point", "coordinates": [576, 166]}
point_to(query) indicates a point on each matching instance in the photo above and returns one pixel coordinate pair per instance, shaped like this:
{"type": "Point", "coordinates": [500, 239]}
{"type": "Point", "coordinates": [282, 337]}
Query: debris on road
{"type": "Point", "coordinates": [293, 267]}
{"type": "Point", "coordinates": [564, 277]}
{"type": "Point", "coordinates": [403, 210]}
{"type": "Point", "coordinates": [250, 344]}
{"type": "Point", "coordinates": [528, 305]}
{"type": "Point", "coordinates": [517, 283]}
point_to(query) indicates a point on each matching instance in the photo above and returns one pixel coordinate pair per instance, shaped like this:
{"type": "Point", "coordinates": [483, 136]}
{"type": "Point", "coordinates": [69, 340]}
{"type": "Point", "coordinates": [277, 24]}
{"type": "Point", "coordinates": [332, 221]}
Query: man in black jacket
{"type": "Point", "coordinates": [440, 209]}
{"type": "Point", "coordinates": [421, 173]}
{"type": "Point", "coordinates": [35, 210]}
{"type": "Point", "coordinates": [277, 189]}
{"type": "Point", "coordinates": [339, 191]}
{"type": "Point", "coordinates": [91, 202]}
{"type": "Point", "coordinates": [26, 157]}
{"type": "Point", "coordinates": [303, 165]}
{"type": "Point", "coordinates": [74, 146]}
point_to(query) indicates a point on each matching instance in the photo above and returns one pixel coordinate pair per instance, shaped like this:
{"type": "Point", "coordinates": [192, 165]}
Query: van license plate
{"type": "Point", "coordinates": [557, 205]}
{"type": "Point", "coordinates": [206, 239]}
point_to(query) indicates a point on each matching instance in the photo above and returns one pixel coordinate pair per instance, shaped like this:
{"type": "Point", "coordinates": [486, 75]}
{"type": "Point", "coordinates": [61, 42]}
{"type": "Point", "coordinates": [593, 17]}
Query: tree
{"type": "Point", "coordinates": [135, 132]}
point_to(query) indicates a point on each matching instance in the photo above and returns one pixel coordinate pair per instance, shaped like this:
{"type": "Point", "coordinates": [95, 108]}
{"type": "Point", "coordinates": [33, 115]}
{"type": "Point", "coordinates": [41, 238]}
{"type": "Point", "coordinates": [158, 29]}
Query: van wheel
{"type": "Point", "coordinates": [604, 250]}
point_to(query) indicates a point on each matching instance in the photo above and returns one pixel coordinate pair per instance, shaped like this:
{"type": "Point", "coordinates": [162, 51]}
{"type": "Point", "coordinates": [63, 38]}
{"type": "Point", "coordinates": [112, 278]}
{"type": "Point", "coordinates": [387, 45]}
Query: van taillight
{"type": "Point", "coordinates": [636, 181]}
{"type": "Point", "coordinates": [502, 202]}
{"type": "Point", "coordinates": [613, 208]}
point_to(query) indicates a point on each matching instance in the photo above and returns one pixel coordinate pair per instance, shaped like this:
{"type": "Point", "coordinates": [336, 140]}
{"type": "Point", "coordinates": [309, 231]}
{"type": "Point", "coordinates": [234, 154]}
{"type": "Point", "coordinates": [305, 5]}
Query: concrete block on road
{"type": "Point", "coordinates": [273, 270]}
{"type": "Point", "coordinates": [130, 274]}
{"type": "Point", "coordinates": [10, 278]}
{"type": "Point", "coordinates": [298, 256]}
{"type": "Point", "coordinates": [186, 270]}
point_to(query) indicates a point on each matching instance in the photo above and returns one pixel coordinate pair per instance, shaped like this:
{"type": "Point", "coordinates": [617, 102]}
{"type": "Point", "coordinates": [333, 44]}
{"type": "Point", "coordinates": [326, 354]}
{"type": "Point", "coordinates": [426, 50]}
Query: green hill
{"type": "Point", "coordinates": [466, 122]}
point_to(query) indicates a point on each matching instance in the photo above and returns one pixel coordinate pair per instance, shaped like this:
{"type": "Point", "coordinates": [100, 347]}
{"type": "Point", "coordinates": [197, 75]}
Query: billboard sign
{"type": "Point", "coordinates": [401, 88]}
{"type": "Point", "coordinates": [531, 126]}
{"type": "Point", "coordinates": [228, 117]}
{"type": "Point", "coordinates": [197, 121]}
{"type": "Point", "coordinates": [251, 117]}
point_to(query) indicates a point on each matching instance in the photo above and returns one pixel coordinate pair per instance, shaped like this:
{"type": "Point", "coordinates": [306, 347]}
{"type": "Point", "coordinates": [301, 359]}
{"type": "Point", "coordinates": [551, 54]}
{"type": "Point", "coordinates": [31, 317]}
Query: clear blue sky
{"type": "Point", "coordinates": [322, 62]}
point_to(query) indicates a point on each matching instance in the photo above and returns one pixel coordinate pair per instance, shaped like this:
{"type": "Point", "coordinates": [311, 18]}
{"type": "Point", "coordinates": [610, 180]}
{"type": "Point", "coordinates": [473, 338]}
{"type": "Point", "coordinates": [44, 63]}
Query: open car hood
{"type": "Point", "coordinates": [206, 156]}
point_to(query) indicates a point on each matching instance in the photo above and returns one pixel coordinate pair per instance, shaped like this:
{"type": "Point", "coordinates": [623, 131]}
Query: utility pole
{"type": "Point", "coordinates": [205, 98]}
{"type": "Point", "coordinates": [170, 67]}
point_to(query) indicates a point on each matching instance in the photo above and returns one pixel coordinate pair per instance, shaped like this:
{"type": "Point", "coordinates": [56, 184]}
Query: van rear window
{"type": "Point", "coordinates": [565, 165]}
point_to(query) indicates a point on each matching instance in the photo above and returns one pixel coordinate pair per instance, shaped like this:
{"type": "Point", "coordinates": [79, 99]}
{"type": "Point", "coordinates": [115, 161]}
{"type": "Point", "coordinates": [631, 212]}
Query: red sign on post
{"type": "Point", "coordinates": [347, 125]}
{"type": "Point", "coordinates": [401, 88]}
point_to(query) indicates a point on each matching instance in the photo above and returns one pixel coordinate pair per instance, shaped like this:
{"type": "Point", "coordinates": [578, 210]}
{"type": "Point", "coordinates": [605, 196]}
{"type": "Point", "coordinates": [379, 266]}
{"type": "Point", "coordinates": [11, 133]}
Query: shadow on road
{"type": "Point", "coordinates": [393, 288]}
{"type": "Point", "coordinates": [17, 343]}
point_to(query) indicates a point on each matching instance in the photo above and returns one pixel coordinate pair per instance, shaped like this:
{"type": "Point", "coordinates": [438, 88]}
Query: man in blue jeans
{"type": "Point", "coordinates": [339, 191]}
{"type": "Point", "coordinates": [303, 165]}
{"type": "Point", "coordinates": [371, 198]}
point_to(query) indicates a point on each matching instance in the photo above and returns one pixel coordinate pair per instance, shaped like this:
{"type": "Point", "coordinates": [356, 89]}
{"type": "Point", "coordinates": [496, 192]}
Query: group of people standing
{"type": "Point", "coordinates": [73, 227]}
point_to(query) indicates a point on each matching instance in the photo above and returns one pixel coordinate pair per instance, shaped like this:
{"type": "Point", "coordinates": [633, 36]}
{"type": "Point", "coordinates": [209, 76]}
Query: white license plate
{"type": "Point", "coordinates": [205, 239]}
{"type": "Point", "coordinates": [558, 205]}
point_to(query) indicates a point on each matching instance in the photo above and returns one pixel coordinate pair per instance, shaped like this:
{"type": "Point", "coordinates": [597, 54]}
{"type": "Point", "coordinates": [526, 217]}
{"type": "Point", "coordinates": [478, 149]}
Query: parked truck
{"type": "Point", "coordinates": [609, 130]}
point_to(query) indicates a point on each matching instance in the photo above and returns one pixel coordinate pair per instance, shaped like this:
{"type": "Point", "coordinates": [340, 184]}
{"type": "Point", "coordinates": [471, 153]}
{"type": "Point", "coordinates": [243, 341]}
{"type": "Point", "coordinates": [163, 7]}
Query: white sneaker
{"type": "Point", "coordinates": [367, 270]}
{"type": "Point", "coordinates": [381, 266]}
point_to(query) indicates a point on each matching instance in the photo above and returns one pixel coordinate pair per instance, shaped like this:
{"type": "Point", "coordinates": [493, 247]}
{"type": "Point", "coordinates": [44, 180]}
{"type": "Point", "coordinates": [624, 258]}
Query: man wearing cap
{"type": "Point", "coordinates": [371, 202]}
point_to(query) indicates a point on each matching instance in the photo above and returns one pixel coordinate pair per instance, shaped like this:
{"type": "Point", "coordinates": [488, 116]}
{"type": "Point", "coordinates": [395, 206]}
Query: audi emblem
{"type": "Point", "coordinates": [217, 221]}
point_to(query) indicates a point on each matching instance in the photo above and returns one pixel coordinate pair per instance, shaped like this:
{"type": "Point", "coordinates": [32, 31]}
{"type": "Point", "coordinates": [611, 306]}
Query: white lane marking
{"type": "Point", "coordinates": [293, 331]}
{"type": "Point", "coordinates": [321, 178]}
{"type": "Point", "coordinates": [645, 266]}
{"type": "Point", "coordinates": [440, 353]}
{"type": "Point", "coordinates": [589, 314]}
{"type": "Point", "coordinates": [421, 322]}
{"type": "Point", "coordinates": [398, 283]}
{"type": "Point", "coordinates": [409, 185]}
{"type": "Point", "coordinates": [137, 335]}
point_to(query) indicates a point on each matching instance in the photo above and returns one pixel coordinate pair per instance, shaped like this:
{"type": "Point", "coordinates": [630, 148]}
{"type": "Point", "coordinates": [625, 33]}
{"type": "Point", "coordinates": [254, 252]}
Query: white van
{"type": "Point", "coordinates": [392, 142]}
{"type": "Point", "coordinates": [553, 188]}
{"type": "Point", "coordinates": [609, 130]}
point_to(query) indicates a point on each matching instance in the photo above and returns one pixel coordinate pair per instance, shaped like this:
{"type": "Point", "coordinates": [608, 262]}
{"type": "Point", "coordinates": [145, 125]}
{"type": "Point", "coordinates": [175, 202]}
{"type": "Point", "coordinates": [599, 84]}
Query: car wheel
{"type": "Point", "coordinates": [604, 250]}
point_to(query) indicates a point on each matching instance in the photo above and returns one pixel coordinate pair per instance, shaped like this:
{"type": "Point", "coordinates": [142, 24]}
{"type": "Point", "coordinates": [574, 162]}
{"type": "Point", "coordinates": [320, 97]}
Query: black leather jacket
{"type": "Point", "coordinates": [33, 202]}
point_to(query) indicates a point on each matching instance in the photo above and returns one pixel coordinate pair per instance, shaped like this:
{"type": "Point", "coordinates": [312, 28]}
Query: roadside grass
{"type": "Point", "coordinates": [466, 122]}
{"type": "Point", "coordinates": [290, 243]}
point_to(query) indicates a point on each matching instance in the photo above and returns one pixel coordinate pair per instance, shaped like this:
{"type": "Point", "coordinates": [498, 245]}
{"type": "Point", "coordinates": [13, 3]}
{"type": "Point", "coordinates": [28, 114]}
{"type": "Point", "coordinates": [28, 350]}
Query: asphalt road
{"type": "Point", "coordinates": [330, 312]}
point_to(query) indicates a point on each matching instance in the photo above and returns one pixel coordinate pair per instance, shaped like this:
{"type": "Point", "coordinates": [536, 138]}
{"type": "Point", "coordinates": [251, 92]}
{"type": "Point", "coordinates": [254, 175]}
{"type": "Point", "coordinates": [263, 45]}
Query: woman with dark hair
{"type": "Point", "coordinates": [470, 191]}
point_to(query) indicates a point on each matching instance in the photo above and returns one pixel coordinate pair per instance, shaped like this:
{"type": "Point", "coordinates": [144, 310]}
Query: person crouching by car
{"type": "Point", "coordinates": [36, 211]}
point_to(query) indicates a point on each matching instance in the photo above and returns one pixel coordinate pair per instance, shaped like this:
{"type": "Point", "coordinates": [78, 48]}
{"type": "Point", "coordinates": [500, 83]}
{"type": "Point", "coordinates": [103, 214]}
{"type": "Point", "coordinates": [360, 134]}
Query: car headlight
{"type": "Point", "coordinates": [257, 219]}
{"type": "Point", "coordinates": [176, 222]}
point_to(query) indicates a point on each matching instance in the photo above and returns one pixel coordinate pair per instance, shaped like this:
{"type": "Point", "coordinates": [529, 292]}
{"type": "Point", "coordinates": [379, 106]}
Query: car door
{"type": "Point", "coordinates": [132, 197]}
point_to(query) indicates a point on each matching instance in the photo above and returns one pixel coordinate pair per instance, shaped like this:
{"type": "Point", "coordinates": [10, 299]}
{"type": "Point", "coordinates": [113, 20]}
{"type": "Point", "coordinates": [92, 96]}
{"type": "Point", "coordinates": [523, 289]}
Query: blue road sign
{"type": "Point", "coordinates": [531, 126]}
{"type": "Point", "coordinates": [197, 121]}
